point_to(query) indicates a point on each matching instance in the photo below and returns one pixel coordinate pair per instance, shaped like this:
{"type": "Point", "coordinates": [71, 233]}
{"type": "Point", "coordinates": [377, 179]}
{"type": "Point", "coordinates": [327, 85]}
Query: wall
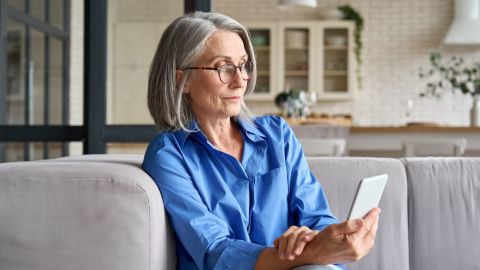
{"type": "Point", "coordinates": [397, 38]}
{"type": "Point", "coordinates": [76, 70]}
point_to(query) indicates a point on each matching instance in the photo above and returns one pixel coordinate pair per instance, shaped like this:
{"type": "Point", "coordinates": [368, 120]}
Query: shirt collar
{"type": "Point", "coordinates": [250, 129]}
{"type": "Point", "coordinates": [181, 135]}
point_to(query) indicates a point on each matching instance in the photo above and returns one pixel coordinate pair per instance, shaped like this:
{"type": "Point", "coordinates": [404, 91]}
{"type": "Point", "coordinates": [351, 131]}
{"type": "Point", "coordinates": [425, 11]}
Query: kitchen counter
{"type": "Point", "coordinates": [381, 141]}
{"type": "Point", "coordinates": [387, 141]}
{"type": "Point", "coordinates": [415, 129]}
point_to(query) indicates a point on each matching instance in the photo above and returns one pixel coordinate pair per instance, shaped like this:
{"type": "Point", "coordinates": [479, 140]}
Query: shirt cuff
{"type": "Point", "coordinates": [239, 255]}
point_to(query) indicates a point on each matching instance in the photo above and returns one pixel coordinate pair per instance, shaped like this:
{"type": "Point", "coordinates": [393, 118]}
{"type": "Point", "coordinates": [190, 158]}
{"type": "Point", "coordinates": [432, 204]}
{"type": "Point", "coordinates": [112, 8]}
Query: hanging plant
{"type": "Point", "coordinates": [351, 14]}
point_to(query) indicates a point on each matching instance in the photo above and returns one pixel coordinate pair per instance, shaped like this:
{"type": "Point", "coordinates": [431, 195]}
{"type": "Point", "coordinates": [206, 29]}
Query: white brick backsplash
{"type": "Point", "coordinates": [398, 37]}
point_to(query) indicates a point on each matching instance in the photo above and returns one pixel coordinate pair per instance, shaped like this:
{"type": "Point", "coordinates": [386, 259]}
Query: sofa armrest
{"type": "Point", "coordinates": [94, 212]}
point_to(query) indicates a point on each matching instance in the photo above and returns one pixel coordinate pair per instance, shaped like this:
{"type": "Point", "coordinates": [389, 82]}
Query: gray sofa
{"type": "Point", "coordinates": [104, 212]}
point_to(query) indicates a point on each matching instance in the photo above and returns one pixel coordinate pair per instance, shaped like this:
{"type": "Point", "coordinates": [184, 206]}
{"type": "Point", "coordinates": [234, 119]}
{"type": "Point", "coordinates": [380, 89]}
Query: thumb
{"type": "Point", "coordinates": [348, 227]}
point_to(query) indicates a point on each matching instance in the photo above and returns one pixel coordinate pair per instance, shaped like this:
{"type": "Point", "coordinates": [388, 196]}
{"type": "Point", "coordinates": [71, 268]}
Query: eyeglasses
{"type": "Point", "coordinates": [227, 72]}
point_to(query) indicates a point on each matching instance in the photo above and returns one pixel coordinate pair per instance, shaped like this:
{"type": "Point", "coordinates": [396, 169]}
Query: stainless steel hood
{"type": "Point", "coordinates": [465, 28]}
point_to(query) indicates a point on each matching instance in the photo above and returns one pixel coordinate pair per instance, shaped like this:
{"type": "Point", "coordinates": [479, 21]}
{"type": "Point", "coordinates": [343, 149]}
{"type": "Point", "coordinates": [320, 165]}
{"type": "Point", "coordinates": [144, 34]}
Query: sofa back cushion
{"type": "Point", "coordinates": [93, 212]}
{"type": "Point", "coordinates": [340, 177]}
{"type": "Point", "coordinates": [444, 212]}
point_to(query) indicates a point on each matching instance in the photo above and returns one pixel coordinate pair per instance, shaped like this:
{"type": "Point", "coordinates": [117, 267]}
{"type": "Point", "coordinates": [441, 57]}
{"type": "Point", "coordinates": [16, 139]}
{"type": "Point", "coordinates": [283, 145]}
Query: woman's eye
{"type": "Point", "coordinates": [220, 64]}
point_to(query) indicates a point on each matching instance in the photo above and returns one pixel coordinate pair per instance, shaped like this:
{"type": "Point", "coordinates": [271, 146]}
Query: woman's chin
{"type": "Point", "coordinates": [232, 111]}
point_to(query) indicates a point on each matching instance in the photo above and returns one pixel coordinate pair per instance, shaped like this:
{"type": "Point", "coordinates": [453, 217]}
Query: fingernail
{"type": "Point", "coordinates": [290, 257]}
{"type": "Point", "coordinates": [297, 251]}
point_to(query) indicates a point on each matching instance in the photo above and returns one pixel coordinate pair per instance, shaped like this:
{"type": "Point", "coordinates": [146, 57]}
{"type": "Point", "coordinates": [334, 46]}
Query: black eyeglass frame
{"type": "Point", "coordinates": [219, 69]}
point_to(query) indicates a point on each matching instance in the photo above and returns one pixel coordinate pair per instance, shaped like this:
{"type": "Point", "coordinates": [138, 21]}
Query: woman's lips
{"type": "Point", "coordinates": [234, 98]}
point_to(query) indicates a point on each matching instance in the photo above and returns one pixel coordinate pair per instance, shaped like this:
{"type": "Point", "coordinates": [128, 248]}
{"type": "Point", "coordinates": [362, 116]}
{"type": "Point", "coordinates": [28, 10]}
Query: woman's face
{"type": "Point", "coordinates": [209, 96]}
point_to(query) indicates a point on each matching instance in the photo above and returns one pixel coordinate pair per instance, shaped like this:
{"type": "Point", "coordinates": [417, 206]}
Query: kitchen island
{"type": "Point", "coordinates": [387, 141]}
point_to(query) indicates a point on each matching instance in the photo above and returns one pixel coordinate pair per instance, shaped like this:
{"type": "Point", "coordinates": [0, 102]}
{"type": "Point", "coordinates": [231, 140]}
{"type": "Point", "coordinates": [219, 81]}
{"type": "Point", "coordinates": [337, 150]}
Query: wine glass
{"type": "Point", "coordinates": [308, 99]}
{"type": "Point", "coordinates": [408, 109]}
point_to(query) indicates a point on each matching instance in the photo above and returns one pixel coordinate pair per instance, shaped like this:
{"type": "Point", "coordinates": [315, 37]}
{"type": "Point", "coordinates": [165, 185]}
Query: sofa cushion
{"type": "Point", "coordinates": [91, 212]}
{"type": "Point", "coordinates": [340, 177]}
{"type": "Point", "coordinates": [444, 212]}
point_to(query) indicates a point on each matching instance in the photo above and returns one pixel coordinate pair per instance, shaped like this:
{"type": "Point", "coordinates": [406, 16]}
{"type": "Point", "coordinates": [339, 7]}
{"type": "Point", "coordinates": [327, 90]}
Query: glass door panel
{"type": "Point", "coordinates": [296, 53]}
{"type": "Point", "coordinates": [262, 36]}
{"type": "Point", "coordinates": [15, 94]}
{"type": "Point", "coordinates": [261, 44]}
{"type": "Point", "coordinates": [57, 10]}
{"type": "Point", "coordinates": [37, 9]}
{"type": "Point", "coordinates": [56, 95]}
{"type": "Point", "coordinates": [36, 74]}
{"type": "Point", "coordinates": [335, 60]}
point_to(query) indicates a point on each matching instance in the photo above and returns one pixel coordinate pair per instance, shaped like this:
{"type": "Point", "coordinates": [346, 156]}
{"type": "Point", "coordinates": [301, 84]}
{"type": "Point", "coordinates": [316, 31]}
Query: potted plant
{"type": "Point", "coordinates": [349, 13]}
{"type": "Point", "coordinates": [453, 75]}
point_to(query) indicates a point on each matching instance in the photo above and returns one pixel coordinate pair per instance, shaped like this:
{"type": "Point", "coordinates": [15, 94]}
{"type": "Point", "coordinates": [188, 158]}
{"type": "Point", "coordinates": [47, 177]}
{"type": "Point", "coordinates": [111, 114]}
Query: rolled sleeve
{"type": "Point", "coordinates": [239, 254]}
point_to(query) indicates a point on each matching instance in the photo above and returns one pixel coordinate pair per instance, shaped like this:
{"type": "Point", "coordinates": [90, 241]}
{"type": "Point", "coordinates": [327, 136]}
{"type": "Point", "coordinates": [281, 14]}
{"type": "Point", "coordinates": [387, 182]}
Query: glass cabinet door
{"type": "Point", "coordinates": [296, 54]}
{"type": "Point", "coordinates": [262, 37]}
{"type": "Point", "coordinates": [337, 80]}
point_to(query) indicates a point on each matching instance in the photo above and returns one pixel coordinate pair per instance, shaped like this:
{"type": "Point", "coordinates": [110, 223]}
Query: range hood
{"type": "Point", "coordinates": [465, 28]}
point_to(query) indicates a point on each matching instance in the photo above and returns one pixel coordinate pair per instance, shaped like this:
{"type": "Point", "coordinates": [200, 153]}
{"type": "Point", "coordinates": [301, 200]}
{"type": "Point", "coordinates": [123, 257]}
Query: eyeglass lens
{"type": "Point", "coordinates": [228, 72]}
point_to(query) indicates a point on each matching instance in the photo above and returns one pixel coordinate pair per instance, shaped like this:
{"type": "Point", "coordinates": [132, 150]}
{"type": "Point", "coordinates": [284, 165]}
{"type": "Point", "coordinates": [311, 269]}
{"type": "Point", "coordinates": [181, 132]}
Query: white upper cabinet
{"type": "Point", "coordinates": [264, 39]}
{"type": "Point", "coordinates": [296, 57]}
{"type": "Point", "coordinates": [335, 70]}
{"type": "Point", "coordinates": [313, 56]}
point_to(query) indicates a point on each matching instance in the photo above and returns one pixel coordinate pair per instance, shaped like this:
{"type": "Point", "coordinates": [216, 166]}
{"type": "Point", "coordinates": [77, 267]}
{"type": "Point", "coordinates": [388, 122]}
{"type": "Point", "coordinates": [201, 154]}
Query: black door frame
{"type": "Point", "coordinates": [95, 133]}
{"type": "Point", "coordinates": [46, 132]}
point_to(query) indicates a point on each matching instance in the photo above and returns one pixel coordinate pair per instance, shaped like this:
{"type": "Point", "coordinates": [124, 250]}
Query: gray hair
{"type": "Point", "coordinates": [181, 45]}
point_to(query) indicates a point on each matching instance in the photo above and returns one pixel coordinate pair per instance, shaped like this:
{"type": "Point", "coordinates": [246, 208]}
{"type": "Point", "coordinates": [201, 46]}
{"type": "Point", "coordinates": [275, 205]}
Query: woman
{"type": "Point", "coordinates": [237, 189]}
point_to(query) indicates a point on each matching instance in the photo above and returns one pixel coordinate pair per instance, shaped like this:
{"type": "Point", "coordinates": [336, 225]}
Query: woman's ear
{"type": "Point", "coordinates": [178, 76]}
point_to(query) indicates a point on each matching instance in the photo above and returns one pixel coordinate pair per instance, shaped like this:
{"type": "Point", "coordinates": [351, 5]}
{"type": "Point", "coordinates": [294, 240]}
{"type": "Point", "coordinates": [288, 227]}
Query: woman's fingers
{"type": "Point", "coordinates": [373, 231]}
{"type": "Point", "coordinates": [302, 240]}
{"type": "Point", "coordinates": [283, 241]}
{"type": "Point", "coordinates": [371, 217]}
{"type": "Point", "coordinates": [294, 239]}
{"type": "Point", "coordinates": [310, 235]}
{"type": "Point", "coordinates": [292, 242]}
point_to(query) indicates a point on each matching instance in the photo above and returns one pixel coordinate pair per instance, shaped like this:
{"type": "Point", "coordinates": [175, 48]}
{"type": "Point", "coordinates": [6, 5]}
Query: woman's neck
{"type": "Point", "coordinates": [224, 134]}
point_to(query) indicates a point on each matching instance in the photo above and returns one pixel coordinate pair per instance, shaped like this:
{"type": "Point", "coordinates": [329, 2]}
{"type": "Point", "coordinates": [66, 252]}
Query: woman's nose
{"type": "Point", "coordinates": [238, 80]}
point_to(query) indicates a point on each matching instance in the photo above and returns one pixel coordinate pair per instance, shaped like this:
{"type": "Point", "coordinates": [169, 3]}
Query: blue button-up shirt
{"type": "Point", "coordinates": [225, 212]}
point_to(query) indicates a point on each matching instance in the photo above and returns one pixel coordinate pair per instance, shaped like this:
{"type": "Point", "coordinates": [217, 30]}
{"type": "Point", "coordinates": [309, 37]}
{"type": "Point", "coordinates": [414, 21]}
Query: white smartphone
{"type": "Point", "coordinates": [368, 195]}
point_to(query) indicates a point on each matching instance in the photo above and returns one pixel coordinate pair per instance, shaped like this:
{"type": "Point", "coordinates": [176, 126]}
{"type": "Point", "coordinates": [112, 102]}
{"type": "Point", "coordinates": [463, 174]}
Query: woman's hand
{"type": "Point", "coordinates": [292, 242]}
{"type": "Point", "coordinates": [345, 242]}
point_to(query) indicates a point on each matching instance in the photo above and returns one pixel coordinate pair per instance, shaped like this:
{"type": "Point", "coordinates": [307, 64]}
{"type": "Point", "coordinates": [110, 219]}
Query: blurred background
{"type": "Point", "coordinates": [73, 74]}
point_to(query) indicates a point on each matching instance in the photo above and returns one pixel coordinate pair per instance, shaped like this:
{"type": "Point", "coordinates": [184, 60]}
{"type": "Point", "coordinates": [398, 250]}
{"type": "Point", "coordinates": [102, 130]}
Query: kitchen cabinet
{"type": "Point", "coordinates": [263, 36]}
{"type": "Point", "coordinates": [314, 56]}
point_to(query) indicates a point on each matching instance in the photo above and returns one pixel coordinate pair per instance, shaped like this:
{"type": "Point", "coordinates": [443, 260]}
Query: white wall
{"type": "Point", "coordinates": [76, 63]}
{"type": "Point", "coordinates": [397, 38]}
